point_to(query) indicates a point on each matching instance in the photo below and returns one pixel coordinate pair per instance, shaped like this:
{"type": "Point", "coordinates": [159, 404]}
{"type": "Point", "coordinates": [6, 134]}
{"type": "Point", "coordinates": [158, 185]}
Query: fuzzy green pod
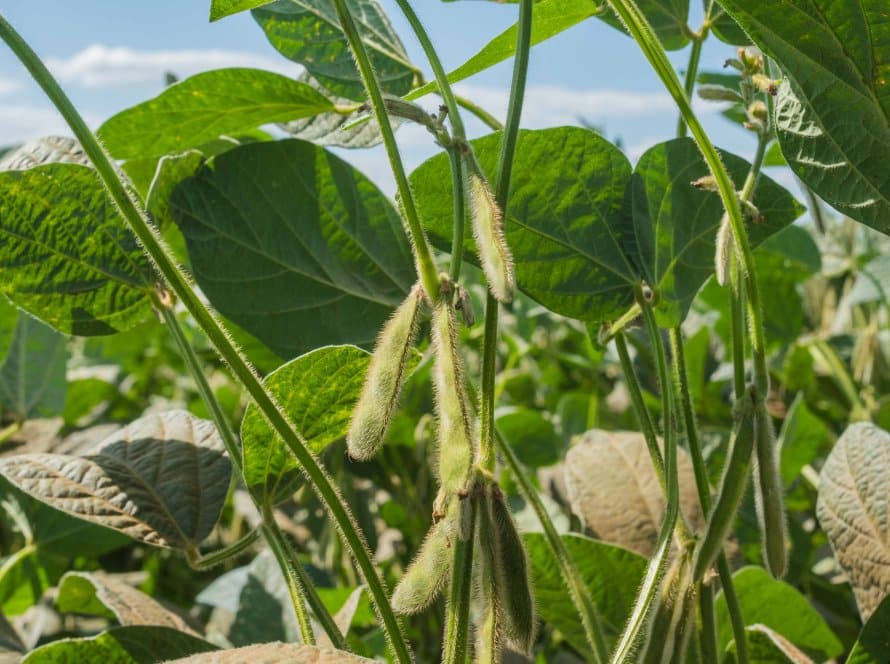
{"type": "Point", "coordinates": [674, 617]}
{"type": "Point", "coordinates": [732, 488]}
{"type": "Point", "coordinates": [512, 582]}
{"type": "Point", "coordinates": [488, 231]}
{"type": "Point", "coordinates": [768, 498]}
{"type": "Point", "coordinates": [452, 405]}
{"type": "Point", "coordinates": [723, 253]}
{"type": "Point", "coordinates": [491, 630]}
{"type": "Point", "coordinates": [428, 572]}
{"type": "Point", "coordinates": [383, 382]}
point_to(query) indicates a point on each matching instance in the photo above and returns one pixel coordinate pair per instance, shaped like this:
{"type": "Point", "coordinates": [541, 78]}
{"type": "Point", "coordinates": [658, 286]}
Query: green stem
{"type": "Point", "coordinates": [137, 219]}
{"type": "Point", "coordinates": [474, 108]}
{"type": "Point", "coordinates": [426, 266]}
{"type": "Point", "coordinates": [617, 327]}
{"type": "Point", "coordinates": [625, 651]}
{"type": "Point", "coordinates": [206, 561]}
{"type": "Point", "coordinates": [641, 31]}
{"type": "Point", "coordinates": [438, 70]}
{"type": "Point", "coordinates": [691, 73]}
{"type": "Point", "coordinates": [502, 192]}
{"type": "Point", "coordinates": [708, 634]}
{"type": "Point", "coordinates": [459, 222]}
{"type": "Point", "coordinates": [815, 207]}
{"type": "Point", "coordinates": [457, 625]}
{"type": "Point", "coordinates": [292, 578]}
{"type": "Point", "coordinates": [737, 329]}
{"type": "Point", "coordinates": [578, 591]}
{"type": "Point", "coordinates": [706, 602]}
{"type": "Point", "coordinates": [644, 419]}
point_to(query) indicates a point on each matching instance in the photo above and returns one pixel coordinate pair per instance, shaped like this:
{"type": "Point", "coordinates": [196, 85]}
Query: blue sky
{"type": "Point", "coordinates": [110, 55]}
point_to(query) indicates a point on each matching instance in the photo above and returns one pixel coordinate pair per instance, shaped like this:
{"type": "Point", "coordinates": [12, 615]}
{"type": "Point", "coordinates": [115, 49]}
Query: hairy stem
{"type": "Point", "coordinates": [474, 108]}
{"type": "Point", "coordinates": [426, 266]}
{"type": "Point", "coordinates": [691, 73]}
{"type": "Point", "coordinates": [457, 622]}
{"type": "Point", "coordinates": [206, 561]}
{"type": "Point", "coordinates": [578, 591]}
{"type": "Point", "coordinates": [459, 222]}
{"type": "Point", "coordinates": [137, 219]}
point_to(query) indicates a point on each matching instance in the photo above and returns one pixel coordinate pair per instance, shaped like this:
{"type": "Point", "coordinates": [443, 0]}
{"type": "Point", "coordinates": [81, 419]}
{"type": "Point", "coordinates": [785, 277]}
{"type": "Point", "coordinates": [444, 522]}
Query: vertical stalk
{"type": "Point", "coordinates": [655, 570]}
{"type": "Point", "coordinates": [292, 578]}
{"type": "Point", "coordinates": [457, 623]}
{"type": "Point", "coordinates": [691, 73]}
{"type": "Point", "coordinates": [426, 266]}
{"type": "Point", "coordinates": [459, 222]}
{"type": "Point", "coordinates": [578, 591]}
{"type": "Point", "coordinates": [164, 262]}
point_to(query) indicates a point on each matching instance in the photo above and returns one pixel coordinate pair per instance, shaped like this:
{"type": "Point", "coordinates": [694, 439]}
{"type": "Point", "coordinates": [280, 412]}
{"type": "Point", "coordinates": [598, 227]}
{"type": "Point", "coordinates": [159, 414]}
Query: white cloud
{"type": "Point", "coordinates": [101, 66]}
{"type": "Point", "coordinates": [8, 86]}
{"type": "Point", "coordinates": [23, 122]}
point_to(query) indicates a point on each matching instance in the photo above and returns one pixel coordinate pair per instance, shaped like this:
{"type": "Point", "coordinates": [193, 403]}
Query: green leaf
{"type": "Point", "coordinates": [780, 607]}
{"type": "Point", "coordinates": [222, 8]}
{"type": "Point", "coordinates": [833, 111]}
{"type": "Point", "coordinates": [257, 599]}
{"type": "Point", "coordinates": [676, 224]}
{"type": "Point", "coordinates": [122, 645]}
{"type": "Point", "coordinates": [276, 652]}
{"type": "Point", "coordinates": [549, 18]}
{"type": "Point", "coordinates": [66, 256]}
{"type": "Point", "coordinates": [532, 437]}
{"type": "Point", "coordinates": [106, 596]}
{"type": "Point", "coordinates": [23, 580]}
{"type": "Point", "coordinates": [32, 377]}
{"type": "Point", "coordinates": [667, 18]}
{"type": "Point", "coordinates": [44, 150]}
{"type": "Point", "coordinates": [804, 439]}
{"type": "Point", "coordinates": [294, 245]}
{"type": "Point", "coordinates": [208, 105]}
{"type": "Point", "coordinates": [873, 643]}
{"type": "Point", "coordinates": [161, 480]}
{"type": "Point", "coordinates": [566, 220]}
{"type": "Point", "coordinates": [724, 27]}
{"type": "Point", "coordinates": [171, 170]}
{"type": "Point", "coordinates": [612, 576]}
{"type": "Point", "coordinates": [852, 510]}
{"type": "Point", "coordinates": [317, 392]}
{"type": "Point", "coordinates": [765, 646]}
{"type": "Point", "coordinates": [309, 33]}
{"type": "Point", "coordinates": [9, 317]}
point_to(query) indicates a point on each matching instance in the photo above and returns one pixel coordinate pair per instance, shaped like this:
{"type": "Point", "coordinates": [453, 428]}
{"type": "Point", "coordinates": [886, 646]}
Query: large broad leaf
{"type": "Point", "coordinates": [766, 646]}
{"type": "Point", "coordinates": [566, 221]}
{"type": "Point", "coordinates": [612, 486]}
{"type": "Point", "coordinates": [873, 643]}
{"type": "Point", "coordinates": [549, 18]}
{"type": "Point", "coordinates": [207, 105]}
{"type": "Point", "coordinates": [853, 510]}
{"type": "Point", "coordinates": [317, 391]}
{"type": "Point", "coordinates": [276, 652]}
{"type": "Point", "coordinates": [667, 18]}
{"type": "Point", "coordinates": [135, 644]}
{"type": "Point", "coordinates": [32, 376]}
{"type": "Point", "coordinates": [309, 32]}
{"type": "Point", "coordinates": [833, 112]}
{"type": "Point", "coordinates": [161, 480]}
{"type": "Point", "coordinates": [532, 436]}
{"type": "Point", "coordinates": [44, 150]}
{"type": "Point", "coordinates": [611, 574]}
{"type": "Point", "coordinates": [676, 224]}
{"type": "Point", "coordinates": [579, 248]}
{"type": "Point", "coordinates": [66, 255]}
{"type": "Point", "coordinates": [781, 608]}
{"type": "Point", "coordinates": [294, 245]}
{"type": "Point", "coordinates": [109, 597]}
{"type": "Point", "coordinates": [9, 317]}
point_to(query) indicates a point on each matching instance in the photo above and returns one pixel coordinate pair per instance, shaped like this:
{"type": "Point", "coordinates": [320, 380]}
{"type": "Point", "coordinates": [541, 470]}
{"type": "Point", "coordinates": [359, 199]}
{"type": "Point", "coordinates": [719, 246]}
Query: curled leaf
{"type": "Point", "coordinates": [383, 382]}
{"type": "Point", "coordinates": [161, 480]}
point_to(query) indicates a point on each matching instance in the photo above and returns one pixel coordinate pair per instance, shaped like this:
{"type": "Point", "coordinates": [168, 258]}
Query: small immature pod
{"type": "Point", "coordinates": [732, 488]}
{"type": "Point", "coordinates": [513, 585]}
{"type": "Point", "coordinates": [488, 231]}
{"type": "Point", "coordinates": [719, 93]}
{"type": "Point", "coordinates": [383, 382]}
{"type": "Point", "coordinates": [724, 251]}
{"type": "Point", "coordinates": [769, 500]}
{"type": "Point", "coordinates": [452, 405]}
{"type": "Point", "coordinates": [428, 572]}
